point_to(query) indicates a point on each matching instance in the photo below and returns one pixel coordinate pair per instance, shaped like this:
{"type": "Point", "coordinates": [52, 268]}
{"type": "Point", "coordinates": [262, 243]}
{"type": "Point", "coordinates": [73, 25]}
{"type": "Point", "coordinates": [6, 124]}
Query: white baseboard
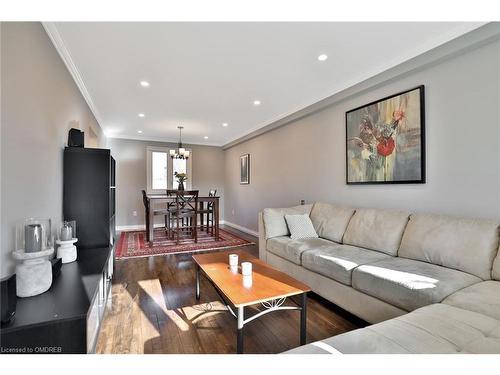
{"type": "Point", "coordinates": [127, 228]}
{"type": "Point", "coordinates": [243, 229]}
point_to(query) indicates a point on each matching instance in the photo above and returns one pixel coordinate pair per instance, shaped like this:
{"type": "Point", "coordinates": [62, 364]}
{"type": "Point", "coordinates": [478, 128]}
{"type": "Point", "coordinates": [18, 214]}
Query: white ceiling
{"type": "Point", "coordinates": [204, 74]}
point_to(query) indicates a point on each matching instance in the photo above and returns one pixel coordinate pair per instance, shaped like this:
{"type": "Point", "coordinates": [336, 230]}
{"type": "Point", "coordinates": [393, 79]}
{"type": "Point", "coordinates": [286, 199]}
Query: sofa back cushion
{"type": "Point", "coordinates": [495, 273]}
{"type": "Point", "coordinates": [464, 244]}
{"type": "Point", "coordinates": [274, 219]}
{"type": "Point", "coordinates": [330, 221]}
{"type": "Point", "coordinates": [374, 229]}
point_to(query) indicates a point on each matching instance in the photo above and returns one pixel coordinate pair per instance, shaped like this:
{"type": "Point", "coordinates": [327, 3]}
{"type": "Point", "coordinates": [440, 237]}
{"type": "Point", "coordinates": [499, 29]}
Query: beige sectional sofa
{"type": "Point", "coordinates": [428, 283]}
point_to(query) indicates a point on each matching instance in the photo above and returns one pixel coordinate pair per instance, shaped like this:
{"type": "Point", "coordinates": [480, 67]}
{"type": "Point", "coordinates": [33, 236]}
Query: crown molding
{"type": "Point", "coordinates": [424, 57]}
{"type": "Point", "coordinates": [471, 40]}
{"type": "Point", "coordinates": [161, 140]}
{"type": "Point", "coordinates": [58, 42]}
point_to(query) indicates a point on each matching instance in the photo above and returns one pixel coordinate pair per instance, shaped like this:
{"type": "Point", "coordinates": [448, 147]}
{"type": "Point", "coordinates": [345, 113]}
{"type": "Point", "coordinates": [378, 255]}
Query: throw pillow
{"type": "Point", "coordinates": [300, 226]}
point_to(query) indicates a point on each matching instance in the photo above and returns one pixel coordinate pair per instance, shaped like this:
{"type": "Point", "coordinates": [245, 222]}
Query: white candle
{"type": "Point", "coordinates": [246, 268]}
{"type": "Point", "coordinates": [233, 259]}
{"type": "Point", "coordinates": [247, 281]}
{"type": "Point", "coordinates": [66, 232]}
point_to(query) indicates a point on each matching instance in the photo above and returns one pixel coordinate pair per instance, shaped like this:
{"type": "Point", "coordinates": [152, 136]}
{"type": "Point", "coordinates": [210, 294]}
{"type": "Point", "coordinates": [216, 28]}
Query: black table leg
{"type": "Point", "coordinates": [239, 339]}
{"type": "Point", "coordinates": [303, 319]}
{"type": "Point", "coordinates": [197, 282]}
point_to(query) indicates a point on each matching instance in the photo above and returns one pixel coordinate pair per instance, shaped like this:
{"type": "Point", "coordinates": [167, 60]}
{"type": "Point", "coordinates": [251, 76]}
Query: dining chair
{"type": "Point", "coordinates": [209, 212]}
{"type": "Point", "coordinates": [185, 215]}
{"type": "Point", "coordinates": [171, 207]}
{"type": "Point", "coordinates": [156, 212]}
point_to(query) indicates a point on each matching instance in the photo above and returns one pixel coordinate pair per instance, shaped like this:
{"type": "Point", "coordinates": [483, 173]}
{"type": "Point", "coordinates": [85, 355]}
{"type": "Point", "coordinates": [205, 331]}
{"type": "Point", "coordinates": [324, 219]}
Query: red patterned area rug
{"type": "Point", "coordinates": [134, 245]}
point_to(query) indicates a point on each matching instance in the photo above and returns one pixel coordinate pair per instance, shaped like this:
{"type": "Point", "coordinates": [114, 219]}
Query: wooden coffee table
{"type": "Point", "coordinates": [267, 286]}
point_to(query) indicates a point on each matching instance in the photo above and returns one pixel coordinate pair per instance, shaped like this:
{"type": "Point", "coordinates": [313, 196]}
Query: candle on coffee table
{"type": "Point", "coordinates": [246, 268]}
{"type": "Point", "coordinates": [233, 260]}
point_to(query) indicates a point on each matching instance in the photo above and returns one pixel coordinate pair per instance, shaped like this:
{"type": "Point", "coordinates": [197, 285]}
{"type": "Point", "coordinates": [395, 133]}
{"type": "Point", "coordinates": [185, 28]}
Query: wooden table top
{"type": "Point", "coordinates": [267, 282]}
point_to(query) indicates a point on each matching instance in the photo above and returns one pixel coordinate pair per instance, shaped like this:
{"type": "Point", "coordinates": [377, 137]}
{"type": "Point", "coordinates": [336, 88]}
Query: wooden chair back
{"type": "Point", "coordinates": [171, 193]}
{"type": "Point", "coordinates": [145, 200]}
{"type": "Point", "coordinates": [187, 200]}
{"type": "Point", "coordinates": [211, 193]}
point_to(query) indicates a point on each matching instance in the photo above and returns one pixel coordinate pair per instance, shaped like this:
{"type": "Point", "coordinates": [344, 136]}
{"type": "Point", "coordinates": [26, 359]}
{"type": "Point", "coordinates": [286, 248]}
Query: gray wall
{"type": "Point", "coordinates": [306, 158]}
{"type": "Point", "coordinates": [130, 155]}
{"type": "Point", "coordinates": [39, 102]}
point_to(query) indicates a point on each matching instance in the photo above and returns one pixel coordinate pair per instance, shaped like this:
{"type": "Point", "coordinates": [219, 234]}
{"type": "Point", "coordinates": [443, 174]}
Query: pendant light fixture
{"type": "Point", "coordinates": [181, 152]}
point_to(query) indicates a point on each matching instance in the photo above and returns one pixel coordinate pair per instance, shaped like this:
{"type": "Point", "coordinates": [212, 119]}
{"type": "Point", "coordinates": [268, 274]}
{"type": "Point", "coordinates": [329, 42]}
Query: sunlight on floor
{"type": "Point", "coordinates": [183, 317]}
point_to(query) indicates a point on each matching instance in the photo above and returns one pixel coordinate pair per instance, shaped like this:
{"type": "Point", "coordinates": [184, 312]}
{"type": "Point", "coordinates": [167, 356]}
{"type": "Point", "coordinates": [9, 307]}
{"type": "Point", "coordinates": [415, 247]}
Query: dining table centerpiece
{"type": "Point", "coordinates": [181, 177]}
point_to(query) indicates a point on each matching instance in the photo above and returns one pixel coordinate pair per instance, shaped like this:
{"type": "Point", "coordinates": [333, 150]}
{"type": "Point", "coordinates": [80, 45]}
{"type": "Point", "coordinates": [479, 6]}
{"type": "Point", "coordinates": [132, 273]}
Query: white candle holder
{"type": "Point", "coordinates": [246, 269]}
{"type": "Point", "coordinates": [33, 272]}
{"type": "Point", "coordinates": [67, 250]}
{"type": "Point", "coordinates": [233, 260]}
{"type": "Point", "coordinates": [247, 281]}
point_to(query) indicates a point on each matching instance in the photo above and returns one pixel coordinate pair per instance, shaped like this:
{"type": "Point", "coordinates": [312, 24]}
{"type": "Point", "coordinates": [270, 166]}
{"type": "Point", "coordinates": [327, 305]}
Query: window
{"type": "Point", "coordinates": [157, 169]}
{"type": "Point", "coordinates": [182, 166]}
{"type": "Point", "coordinates": [161, 169]}
{"type": "Point", "coordinates": [178, 166]}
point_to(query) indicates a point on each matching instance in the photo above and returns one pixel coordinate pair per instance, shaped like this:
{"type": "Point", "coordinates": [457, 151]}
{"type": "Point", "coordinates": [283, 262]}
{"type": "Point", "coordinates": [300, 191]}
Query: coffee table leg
{"type": "Point", "coordinates": [303, 320]}
{"type": "Point", "coordinates": [239, 342]}
{"type": "Point", "coordinates": [197, 282]}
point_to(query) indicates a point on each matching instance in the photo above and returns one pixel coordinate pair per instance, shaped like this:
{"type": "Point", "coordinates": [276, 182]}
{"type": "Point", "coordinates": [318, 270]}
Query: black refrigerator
{"type": "Point", "coordinates": [89, 195]}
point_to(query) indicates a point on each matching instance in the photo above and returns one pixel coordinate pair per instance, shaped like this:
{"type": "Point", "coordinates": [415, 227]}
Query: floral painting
{"type": "Point", "coordinates": [385, 140]}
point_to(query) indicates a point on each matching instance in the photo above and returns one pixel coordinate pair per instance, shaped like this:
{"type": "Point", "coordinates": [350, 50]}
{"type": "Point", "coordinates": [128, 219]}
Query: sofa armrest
{"type": "Point", "coordinates": [262, 238]}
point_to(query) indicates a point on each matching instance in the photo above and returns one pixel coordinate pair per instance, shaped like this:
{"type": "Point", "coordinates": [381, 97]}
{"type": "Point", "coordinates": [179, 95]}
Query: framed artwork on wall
{"type": "Point", "coordinates": [245, 169]}
{"type": "Point", "coordinates": [385, 140]}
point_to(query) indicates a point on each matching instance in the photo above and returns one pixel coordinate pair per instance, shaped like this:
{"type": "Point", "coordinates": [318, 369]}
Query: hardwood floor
{"type": "Point", "coordinates": [153, 309]}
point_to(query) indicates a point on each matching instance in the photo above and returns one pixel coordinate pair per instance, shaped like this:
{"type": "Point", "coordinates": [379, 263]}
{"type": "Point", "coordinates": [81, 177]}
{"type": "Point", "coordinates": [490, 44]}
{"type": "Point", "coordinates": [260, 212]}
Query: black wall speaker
{"type": "Point", "coordinates": [76, 138]}
{"type": "Point", "coordinates": [8, 298]}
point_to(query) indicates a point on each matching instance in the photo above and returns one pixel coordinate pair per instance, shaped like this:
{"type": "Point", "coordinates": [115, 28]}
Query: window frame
{"type": "Point", "coordinates": [149, 168]}
{"type": "Point", "coordinates": [170, 169]}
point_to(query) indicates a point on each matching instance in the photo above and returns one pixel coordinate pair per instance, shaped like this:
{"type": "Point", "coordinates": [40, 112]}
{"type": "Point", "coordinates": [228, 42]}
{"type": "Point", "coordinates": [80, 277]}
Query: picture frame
{"type": "Point", "coordinates": [245, 169]}
{"type": "Point", "coordinates": [385, 140]}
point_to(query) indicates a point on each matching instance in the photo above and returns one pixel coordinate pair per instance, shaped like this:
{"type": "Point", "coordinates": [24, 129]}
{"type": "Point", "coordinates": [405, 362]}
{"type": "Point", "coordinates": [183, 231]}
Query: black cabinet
{"type": "Point", "coordinates": [89, 195]}
{"type": "Point", "coordinates": [67, 317]}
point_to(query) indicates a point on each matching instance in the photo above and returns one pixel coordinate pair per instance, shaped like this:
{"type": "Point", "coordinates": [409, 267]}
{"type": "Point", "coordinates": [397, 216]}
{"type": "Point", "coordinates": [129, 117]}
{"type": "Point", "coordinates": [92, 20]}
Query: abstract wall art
{"type": "Point", "coordinates": [385, 140]}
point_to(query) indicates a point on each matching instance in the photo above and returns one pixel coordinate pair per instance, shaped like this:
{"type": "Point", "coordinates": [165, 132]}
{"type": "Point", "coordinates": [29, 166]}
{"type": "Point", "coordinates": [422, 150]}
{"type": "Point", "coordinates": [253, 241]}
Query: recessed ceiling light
{"type": "Point", "coordinates": [141, 114]}
{"type": "Point", "coordinates": [225, 124]}
{"type": "Point", "coordinates": [139, 131]}
{"type": "Point", "coordinates": [144, 83]}
{"type": "Point", "coordinates": [206, 137]}
{"type": "Point", "coordinates": [322, 57]}
{"type": "Point", "coordinates": [256, 102]}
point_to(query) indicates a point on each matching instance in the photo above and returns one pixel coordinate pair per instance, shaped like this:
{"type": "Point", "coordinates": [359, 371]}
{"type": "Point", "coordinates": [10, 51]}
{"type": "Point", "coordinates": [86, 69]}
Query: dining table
{"type": "Point", "coordinates": [157, 199]}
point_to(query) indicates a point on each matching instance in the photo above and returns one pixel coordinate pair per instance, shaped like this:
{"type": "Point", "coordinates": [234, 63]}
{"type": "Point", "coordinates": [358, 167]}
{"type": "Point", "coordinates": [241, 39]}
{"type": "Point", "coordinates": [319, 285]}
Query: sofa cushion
{"type": "Point", "coordinates": [379, 230]}
{"type": "Point", "coordinates": [300, 226]}
{"type": "Point", "coordinates": [330, 221]}
{"type": "Point", "coordinates": [432, 329]}
{"type": "Point", "coordinates": [483, 298]}
{"type": "Point", "coordinates": [495, 273]}
{"type": "Point", "coordinates": [463, 244]}
{"type": "Point", "coordinates": [274, 219]}
{"type": "Point", "coordinates": [292, 250]}
{"type": "Point", "coordinates": [409, 284]}
{"type": "Point", "coordinates": [338, 261]}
